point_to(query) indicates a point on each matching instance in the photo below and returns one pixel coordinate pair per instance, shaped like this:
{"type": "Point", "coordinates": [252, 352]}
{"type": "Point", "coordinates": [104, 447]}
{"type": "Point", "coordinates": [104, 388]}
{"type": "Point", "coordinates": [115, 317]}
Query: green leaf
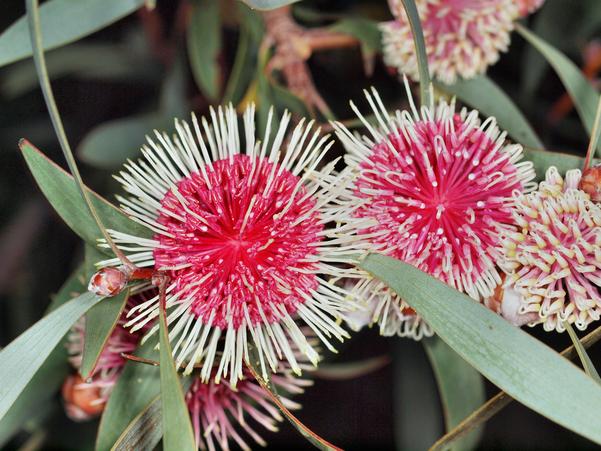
{"type": "Point", "coordinates": [542, 160]}
{"type": "Point", "coordinates": [351, 370]}
{"type": "Point", "coordinates": [460, 386]}
{"type": "Point", "coordinates": [525, 368]}
{"type": "Point", "coordinates": [48, 379]}
{"type": "Point", "coordinates": [268, 4]}
{"type": "Point", "coordinates": [137, 386]}
{"type": "Point", "coordinates": [254, 365]}
{"type": "Point", "coordinates": [365, 30]}
{"type": "Point", "coordinates": [61, 191]}
{"type": "Point", "coordinates": [484, 95]}
{"type": "Point", "coordinates": [177, 428]}
{"type": "Point", "coordinates": [62, 22]}
{"type": "Point", "coordinates": [416, 409]}
{"type": "Point", "coordinates": [204, 45]}
{"type": "Point", "coordinates": [587, 364]}
{"type": "Point", "coordinates": [420, 47]}
{"type": "Point", "coordinates": [584, 95]}
{"type": "Point", "coordinates": [110, 144]}
{"type": "Point", "coordinates": [145, 430]}
{"type": "Point", "coordinates": [22, 358]}
{"type": "Point", "coordinates": [100, 319]}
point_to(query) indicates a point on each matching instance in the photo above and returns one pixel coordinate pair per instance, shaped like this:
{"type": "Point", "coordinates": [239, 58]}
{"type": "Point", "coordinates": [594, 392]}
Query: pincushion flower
{"type": "Point", "coordinates": [554, 260]}
{"type": "Point", "coordinates": [240, 231]}
{"type": "Point", "coordinates": [433, 189]}
{"type": "Point", "coordinates": [222, 414]}
{"type": "Point", "coordinates": [462, 37]}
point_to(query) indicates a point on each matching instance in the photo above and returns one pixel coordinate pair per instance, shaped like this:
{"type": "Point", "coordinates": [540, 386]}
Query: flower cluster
{"type": "Point", "coordinates": [462, 37]}
{"type": "Point", "coordinates": [259, 241]}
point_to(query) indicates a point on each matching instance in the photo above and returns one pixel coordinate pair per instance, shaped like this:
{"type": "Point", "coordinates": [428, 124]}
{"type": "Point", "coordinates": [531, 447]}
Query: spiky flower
{"type": "Point", "coordinates": [432, 189]}
{"type": "Point", "coordinates": [528, 6]}
{"type": "Point", "coordinates": [240, 231]}
{"type": "Point", "coordinates": [222, 414]}
{"type": "Point", "coordinates": [554, 260]}
{"type": "Point", "coordinates": [463, 37]}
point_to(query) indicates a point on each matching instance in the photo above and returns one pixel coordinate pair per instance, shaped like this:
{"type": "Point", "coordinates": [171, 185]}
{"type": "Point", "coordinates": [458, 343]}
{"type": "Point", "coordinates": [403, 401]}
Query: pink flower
{"type": "Point", "coordinates": [240, 230]}
{"type": "Point", "coordinates": [432, 189]}
{"type": "Point", "coordinates": [463, 37]}
{"type": "Point", "coordinates": [553, 261]}
{"type": "Point", "coordinates": [221, 414]}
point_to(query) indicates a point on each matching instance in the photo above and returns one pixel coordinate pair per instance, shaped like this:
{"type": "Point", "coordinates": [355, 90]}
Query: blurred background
{"type": "Point", "coordinates": [117, 85]}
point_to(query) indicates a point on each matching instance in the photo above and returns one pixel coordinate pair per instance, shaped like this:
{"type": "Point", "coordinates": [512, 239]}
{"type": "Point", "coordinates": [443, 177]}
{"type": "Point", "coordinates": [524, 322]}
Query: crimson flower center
{"type": "Point", "coordinates": [238, 240]}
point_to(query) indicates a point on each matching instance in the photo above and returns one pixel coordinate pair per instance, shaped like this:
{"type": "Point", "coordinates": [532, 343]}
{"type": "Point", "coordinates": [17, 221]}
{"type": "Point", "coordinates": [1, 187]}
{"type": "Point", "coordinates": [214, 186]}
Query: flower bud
{"type": "Point", "coordinates": [108, 282]}
{"type": "Point", "coordinates": [590, 183]}
{"type": "Point", "coordinates": [82, 401]}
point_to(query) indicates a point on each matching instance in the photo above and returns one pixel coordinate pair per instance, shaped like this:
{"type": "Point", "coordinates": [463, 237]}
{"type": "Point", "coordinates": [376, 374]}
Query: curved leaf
{"type": "Point", "coordinates": [584, 95]}
{"type": "Point", "coordinates": [460, 386]}
{"type": "Point", "coordinates": [525, 368]}
{"type": "Point", "coordinates": [145, 430]}
{"type": "Point", "coordinates": [177, 428]}
{"type": "Point", "coordinates": [137, 386]}
{"type": "Point", "coordinates": [47, 380]}
{"type": "Point", "coordinates": [484, 95]}
{"type": "Point", "coordinates": [204, 44]}
{"type": "Point", "coordinates": [60, 190]}
{"type": "Point", "coordinates": [22, 358]}
{"type": "Point", "coordinates": [562, 161]}
{"type": "Point", "coordinates": [268, 4]}
{"type": "Point", "coordinates": [62, 22]}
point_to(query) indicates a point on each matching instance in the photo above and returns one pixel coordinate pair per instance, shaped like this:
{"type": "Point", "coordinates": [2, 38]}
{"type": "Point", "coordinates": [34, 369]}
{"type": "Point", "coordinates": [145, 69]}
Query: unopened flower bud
{"type": "Point", "coordinates": [108, 282]}
{"type": "Point", "coordinates": [590, 183]}
{"type": "Point", "coordinates": [82, 401]}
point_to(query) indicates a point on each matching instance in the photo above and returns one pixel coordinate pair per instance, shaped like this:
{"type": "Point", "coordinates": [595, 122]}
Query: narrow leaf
{"type": "Point", "coordinates": [420, 49]}
{"type": "Point", "coordinates": [48, 379]}
{"type": "Point", "coordinates": [351, 370]}
{"type": "Point", "coordinates": [562, 161]}
{"type": "Point", "coordinates": [525, 368]}
{"type": "Point", "coordinates": [484, 95]}
{"type": "Point", "coordinates": [587, 364]}
{"type": "Point", "coordinates": [60, 190]}
{"type": "Point", "coordinates": [460, 386]}
{"type": "Point", "coordinates": [145, 430]}
{"type": "Point", "coordinates": [254, 367]}
{"type": "Point", "coordinates": [137, 386]}
{"type": "Point", "coordinates": [204, 44]}
{"type": "Point", "coordinates": [110, 144]}
{"type": "Point", "coordinates": [268, 4]}
{"type": "Point", "coordinates": [177, 428]}
{"type": "Point", "coordinates": [62, 22]}
{"type": "Point", "coordinates": [22, 358]}
{"type": "Point", "coordinates": [584, 95]}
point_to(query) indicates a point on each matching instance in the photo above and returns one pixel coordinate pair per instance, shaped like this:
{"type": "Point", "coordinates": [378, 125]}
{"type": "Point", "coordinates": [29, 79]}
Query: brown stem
{"type": "Point", "coordinates": [498, 402]}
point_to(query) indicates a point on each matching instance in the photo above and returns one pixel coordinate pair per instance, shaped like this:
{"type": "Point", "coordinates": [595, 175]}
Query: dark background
{"type": "Point", "coordinates": [38, 252]}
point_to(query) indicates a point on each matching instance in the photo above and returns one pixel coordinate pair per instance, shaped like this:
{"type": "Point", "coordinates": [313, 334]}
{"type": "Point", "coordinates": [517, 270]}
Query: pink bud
{"type": "Point", "coordinates": [108, 282]}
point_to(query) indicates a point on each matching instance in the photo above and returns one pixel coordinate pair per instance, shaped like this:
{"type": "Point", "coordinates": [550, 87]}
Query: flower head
{"type": "Point", "coordinates": [463, 37]}
{"type": "Point", "coordinates": [222, 414]}
{"type": "Point", "coordinates": [554, 260]}
{"type": "Point", "coordinates": [432, 189]}
{"type": "Point", "coordinates": [240, 231]}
